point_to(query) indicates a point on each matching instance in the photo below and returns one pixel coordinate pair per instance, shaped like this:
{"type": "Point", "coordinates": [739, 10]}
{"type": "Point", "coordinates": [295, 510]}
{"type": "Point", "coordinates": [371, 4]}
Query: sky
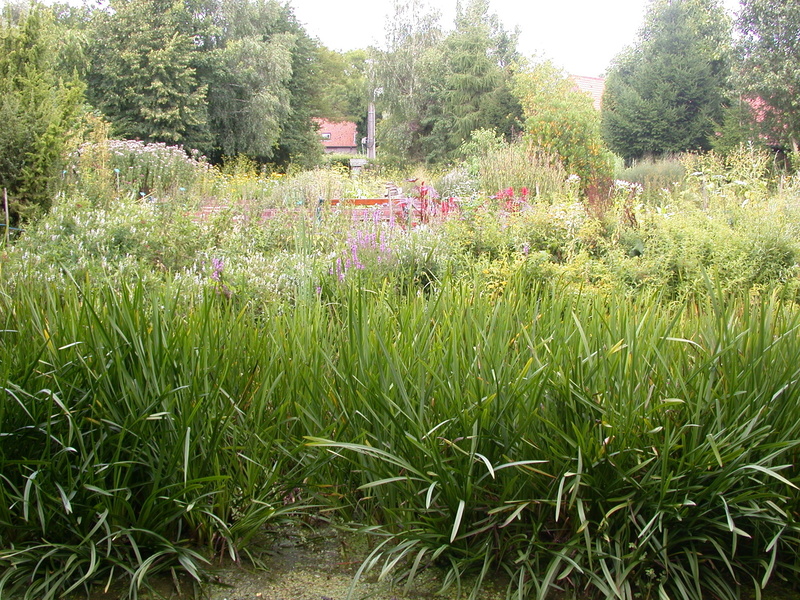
{"type": "Point", "coordinates": [581, 36]}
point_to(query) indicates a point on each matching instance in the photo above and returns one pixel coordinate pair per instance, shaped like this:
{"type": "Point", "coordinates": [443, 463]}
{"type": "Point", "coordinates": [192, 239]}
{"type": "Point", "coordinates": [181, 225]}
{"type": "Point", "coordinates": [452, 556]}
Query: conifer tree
{"type": "Point", "coordinates": [143, 73]}
{"type": "Point", "coordinates": [667, 94]}
{"type": "Point", "coordinates": [37, 109]}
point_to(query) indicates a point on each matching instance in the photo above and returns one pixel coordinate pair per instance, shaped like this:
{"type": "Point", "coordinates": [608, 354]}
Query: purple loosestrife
{"type": "Point", "coordinates": [218, 265]}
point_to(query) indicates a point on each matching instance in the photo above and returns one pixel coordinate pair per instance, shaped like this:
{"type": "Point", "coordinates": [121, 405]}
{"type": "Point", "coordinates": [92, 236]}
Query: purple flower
{"type": "Point", "coordinates": [218, 265]}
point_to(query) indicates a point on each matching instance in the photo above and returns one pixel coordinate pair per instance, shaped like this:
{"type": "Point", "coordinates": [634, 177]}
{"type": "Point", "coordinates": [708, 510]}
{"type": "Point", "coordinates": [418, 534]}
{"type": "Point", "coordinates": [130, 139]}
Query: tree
{"type": "Point", "coordinates": [299, 142]}
{"type": "Point", "coordinates": [561, 120]}
{"type": "Point", "coordinates": [260, 69]}
{"type": "Point", "coordinates": [344, 85]}
{"type": "Point", "coordinates": [439, 88]}
{"type": "Point", "coordinates": [407, 74]}
{"type": "Point", "coordinates": [770, 69]}
{"type": "Point", "coordinates": [668, 92]}
{"type": "Point", "coordinates": [248, 94]}
{"type": "Point", "coordinates": [143, 72]}
{"type": "Point", "coordinates": [479, 59]}
{"type": "Point", "coordinates": [227, 77]}
{"type": "Point", "coordinates": [37, 109]}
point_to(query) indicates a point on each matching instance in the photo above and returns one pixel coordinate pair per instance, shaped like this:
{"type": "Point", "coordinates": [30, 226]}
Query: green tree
{"type": "Point", "coordinates": [439, 88]}
{"type": "Point", "coordinates": [37, 108]}
{"type": "Point", "coordinates": [770, 69]}
{"type": "Point", "coordinates": [248, 93]}
{"type": "Point", "coordinates": [479, 55]}
{"type": "Point", "coordinates": [299, 142]}
{"type": "Point", "coordinates": [261, 73]}
{"type": "Point", "coordinates": [143, 72]}
{"type": "Point", "coordinates": [668, 92]}
{"type": "Point", "coordinates": [344, 85]}
{"type": "Point", "coordinates": [407, 73]}
{"type": "Point", "coordinates": [561, 120]}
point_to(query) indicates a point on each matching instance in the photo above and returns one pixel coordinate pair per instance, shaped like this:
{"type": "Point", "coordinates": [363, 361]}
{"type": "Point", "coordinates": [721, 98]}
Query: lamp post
{"type": "Point", "coordinates": [371, 123]}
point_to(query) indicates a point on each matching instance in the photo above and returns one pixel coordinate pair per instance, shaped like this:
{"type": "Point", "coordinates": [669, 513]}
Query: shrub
{"type": "Point", "coordinates": [654, 174]}
{"type": "Point", "coordinates": [561, 121]}
{"type": "Point", "coordinates": [104, 170]}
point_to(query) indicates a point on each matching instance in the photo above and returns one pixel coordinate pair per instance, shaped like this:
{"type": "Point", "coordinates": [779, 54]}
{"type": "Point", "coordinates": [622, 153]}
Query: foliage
{"type": "Point", "coordinates": [667, 92]}
{"type": "Point", "coordinates": [407, 75]}
{"type": "Point", "coordinates": [127, 455]}
{"type": "Point", "coordinates": [110, 169]}
{"type": "Point", "coordinates": [437, 88]}
{"type": "Point", "coordinates": [739, 127]}
{"type": "Point", "coordinates": [654, 174]}
{"type": "Point", "coordinates": [769, 70]}
{"type": "Point", "coordinates": [249, 100]}
{"type": "Point", "coordinates": [477, 78]}
{"type": "Point", "coordinates": [37, 108]}
{"type": "Point", "coordinates": [561, 120]}
{"type": "Point", "coordinates": [593, 405]}
{"type": "Point", "coordinates": [144, 75]}
{"type": "Point", "coordinates": [345, 89]}
{"type": "Point", "coordinates": [225, 78]}
{"type": "Point", "coordinates": [497, 165]}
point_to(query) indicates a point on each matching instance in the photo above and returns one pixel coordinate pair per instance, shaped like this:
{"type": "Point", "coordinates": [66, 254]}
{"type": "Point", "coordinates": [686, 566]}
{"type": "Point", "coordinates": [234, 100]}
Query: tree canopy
{"type": "Point", "coordinates": [38, 108]}
{"type": "Point", "coordinates": [440, 87]}
{"type": "Point", "coordinates": [224, 76]}
{"type": "Point", "coordinates": [143, 72]}
{"type": "Point", "coordinates": [668, 92]}
{"type": "Point", "coordinates": [561, 120]}
{"type": "Point", "coordinates": [770, 67]}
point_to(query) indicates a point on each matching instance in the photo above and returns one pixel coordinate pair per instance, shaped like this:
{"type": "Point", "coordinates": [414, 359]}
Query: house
{"type": "Point", "coordinates": [338, 137]}
{"type": "Point", "coordinates": [594, 86]}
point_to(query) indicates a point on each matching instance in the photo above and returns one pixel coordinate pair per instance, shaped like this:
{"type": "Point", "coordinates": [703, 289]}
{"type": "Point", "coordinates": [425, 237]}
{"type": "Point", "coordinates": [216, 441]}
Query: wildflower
{"type": "Point", "coordinates": [217, 265]}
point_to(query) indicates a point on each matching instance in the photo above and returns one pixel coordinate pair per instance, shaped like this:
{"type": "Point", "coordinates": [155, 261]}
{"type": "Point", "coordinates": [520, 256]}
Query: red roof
{"type": "Point", "coordinates": [337, 135]}
{"type": "Point", "coordinates": [593, 86]}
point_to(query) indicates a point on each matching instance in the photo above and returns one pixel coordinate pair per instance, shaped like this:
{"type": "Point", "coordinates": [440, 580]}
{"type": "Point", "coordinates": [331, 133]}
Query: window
{"type": "Point", "coordinates": [326, 136]}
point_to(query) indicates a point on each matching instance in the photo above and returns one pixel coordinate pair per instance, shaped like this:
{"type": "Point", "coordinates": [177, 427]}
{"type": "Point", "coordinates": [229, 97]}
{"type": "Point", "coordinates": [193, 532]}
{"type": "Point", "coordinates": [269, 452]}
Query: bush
{"type": "Point", "coordinates": [497, 165]}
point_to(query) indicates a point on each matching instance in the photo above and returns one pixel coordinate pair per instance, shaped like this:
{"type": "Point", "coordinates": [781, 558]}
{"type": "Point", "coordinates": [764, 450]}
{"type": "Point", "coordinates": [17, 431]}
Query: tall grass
{"type": "Point", "coordinates": [137, 429]}
{"type": "Point", "coordinates": [607, 447]}
{"type": "Point", "coordinates": [171, 385]}
{"type": "Point", "coordinates": [592, 444]}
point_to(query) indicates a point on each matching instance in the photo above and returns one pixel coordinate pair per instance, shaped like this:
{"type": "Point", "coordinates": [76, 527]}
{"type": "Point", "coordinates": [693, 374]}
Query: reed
{"type": "Point", "coordinates": [570, 442]}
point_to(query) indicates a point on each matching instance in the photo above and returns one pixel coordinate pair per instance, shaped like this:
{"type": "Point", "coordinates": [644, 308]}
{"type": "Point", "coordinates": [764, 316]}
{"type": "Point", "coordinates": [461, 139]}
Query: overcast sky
{"type": "Point", "coordinates": [582, 36]}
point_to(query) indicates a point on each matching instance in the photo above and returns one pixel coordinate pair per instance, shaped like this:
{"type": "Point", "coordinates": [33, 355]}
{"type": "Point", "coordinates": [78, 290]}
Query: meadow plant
{"type": "Point", "coordinates": [744, 174]}
{"type": "Point", "coordinates": [497, 165]}
{"type": "Point", "coordinates": [593, 454]}
{"type": "Point", "coordinates": [133, 449]}
{"type": "Point", "coordinates": [602, 407]}
{"type": "Point", "coordinates": [656, 176]}
{"type": "Point", "coordinates": [104, 170]}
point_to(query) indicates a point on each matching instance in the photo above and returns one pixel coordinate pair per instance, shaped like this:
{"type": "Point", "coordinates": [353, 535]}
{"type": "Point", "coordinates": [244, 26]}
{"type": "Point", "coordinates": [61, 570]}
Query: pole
{"type": "Point", "coordinates": [371, 131]}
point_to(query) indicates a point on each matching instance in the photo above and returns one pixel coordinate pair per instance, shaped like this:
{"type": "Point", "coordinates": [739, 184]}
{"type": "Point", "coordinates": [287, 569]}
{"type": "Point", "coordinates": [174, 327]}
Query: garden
{"type": "Point", "coordinates": [515, 384]}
